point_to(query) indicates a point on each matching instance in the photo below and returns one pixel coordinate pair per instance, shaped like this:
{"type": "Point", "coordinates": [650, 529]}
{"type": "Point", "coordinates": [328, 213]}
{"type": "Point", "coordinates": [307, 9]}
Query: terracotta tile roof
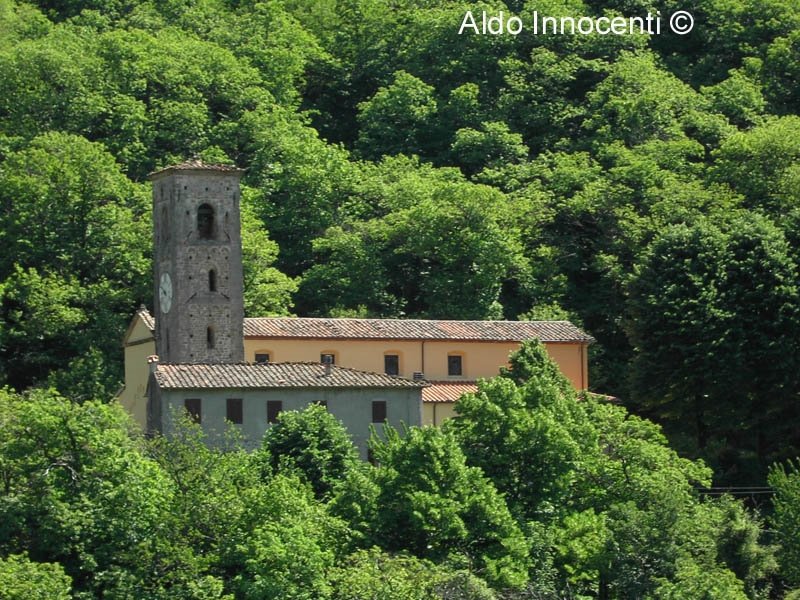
{"type": "Point", "coordinates": [406, 329]}
{"type": "Point", "coordinates": [414, 329]}
{"type": "Point", "coordinates": [272, 375]}
{"type": "Point", "coordinates": [196, 164]}
{"type": "Point", "coordinates": [448, 391]}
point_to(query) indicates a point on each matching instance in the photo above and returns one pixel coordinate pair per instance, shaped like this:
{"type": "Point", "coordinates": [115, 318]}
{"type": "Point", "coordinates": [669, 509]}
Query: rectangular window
{"type": "Point", "coordinates": [274, 407]}
{"type": "Point", "coordinates": [234, 410]}
{"type": "Point", "coordinates": [193, 407]}
{"type": "Point", "coordinates": [378, 411]}
{"type": "Point", "coordinates": [454, 365]}
{"type": "Point", "coordinates": [391, 364]}
{"type": "Point", "coordinates": [262, 358]}
{"type": "Point", "coordinates": [328, 359]}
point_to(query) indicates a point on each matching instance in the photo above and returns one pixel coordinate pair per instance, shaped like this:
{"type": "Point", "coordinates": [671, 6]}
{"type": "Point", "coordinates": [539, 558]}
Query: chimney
{"type": "Point", "coordinates": [152, 360]}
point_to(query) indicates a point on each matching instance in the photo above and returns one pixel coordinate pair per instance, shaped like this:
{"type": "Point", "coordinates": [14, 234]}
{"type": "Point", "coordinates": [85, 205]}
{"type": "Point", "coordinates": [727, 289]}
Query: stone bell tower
{"type": "Point", "coordinates": [197, 263]}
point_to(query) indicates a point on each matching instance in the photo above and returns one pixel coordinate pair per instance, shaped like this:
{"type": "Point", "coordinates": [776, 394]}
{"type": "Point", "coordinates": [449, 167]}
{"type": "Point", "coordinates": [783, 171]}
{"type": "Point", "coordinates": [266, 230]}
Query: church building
{"type": "Point", "coordinates": [198, 353]}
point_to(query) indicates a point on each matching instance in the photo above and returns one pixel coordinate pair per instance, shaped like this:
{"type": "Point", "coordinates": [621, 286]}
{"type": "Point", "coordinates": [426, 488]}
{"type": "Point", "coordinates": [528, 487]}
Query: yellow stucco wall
{"type": "Point", "coordinates": [479, 359]}
{"type": "Point", "coordinates": [139, 344]}
{"type": "Point", "coordinates": [436, 413]}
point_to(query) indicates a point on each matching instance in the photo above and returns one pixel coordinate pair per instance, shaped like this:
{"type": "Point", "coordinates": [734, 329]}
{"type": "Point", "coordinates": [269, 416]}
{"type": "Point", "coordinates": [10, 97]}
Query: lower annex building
{"type": "Point", "coordinates": [200, 353]}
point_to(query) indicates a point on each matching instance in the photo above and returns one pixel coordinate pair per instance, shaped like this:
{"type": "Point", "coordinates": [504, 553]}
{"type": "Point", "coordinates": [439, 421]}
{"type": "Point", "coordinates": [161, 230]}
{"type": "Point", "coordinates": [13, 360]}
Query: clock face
{"type": "Point", "coordinates": [165, 293]}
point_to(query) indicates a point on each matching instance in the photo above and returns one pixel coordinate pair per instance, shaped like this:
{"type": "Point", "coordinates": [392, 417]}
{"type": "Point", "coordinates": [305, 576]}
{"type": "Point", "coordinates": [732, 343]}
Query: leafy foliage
{"type": "Point", "coordinates": [435, 506]}
{"type": "Point", "coordinates": [786, 481]}
{"type": "Point", "coordinates": [645, 187]}
{"type": "Point", "coordinates": [313, 444]}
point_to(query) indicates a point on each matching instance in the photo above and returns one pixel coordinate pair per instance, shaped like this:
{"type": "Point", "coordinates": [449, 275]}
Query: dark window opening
{"type": "Point", "coordinates": [371, 457]}
{"type": "Point", "coordinates": [205, 222]}
{"type": "Point", "coordinates": [210, 338]}
{"type": "Point", "coordinates": [391, 364]}
{"type": "Point", "coordinates": [164, 224]}
{"type": "Point", "coordinates": [212, 281]}
{"type": "Point", "coordinates": [323, 404]}
{"type": "Point", "coordinates": [454, 365]}
{"type": "Point", "coordinates": [378, 411]}
{"type": "Point", "coordinates": [193, 407]}
{"type": "Point", "coordinates": [262, 357]}
{"type": "Point", "coordinates": [234, 410]}
{"type": "Point", "coordinates": [327, 359]}
{"type": "Point", "coordinates": [274, 407]}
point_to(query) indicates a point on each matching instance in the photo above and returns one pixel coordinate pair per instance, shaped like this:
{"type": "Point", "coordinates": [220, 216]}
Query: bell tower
{"type": "Point", "coordinates": [197, 263]}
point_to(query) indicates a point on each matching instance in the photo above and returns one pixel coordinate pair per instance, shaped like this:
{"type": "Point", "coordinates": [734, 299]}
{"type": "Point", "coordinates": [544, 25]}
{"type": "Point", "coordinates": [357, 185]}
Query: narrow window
{"type": "Point", "coordinates": [454, 364]}
{"type": "Point", "coordinates": [205, 222]}
{"type": "Point", "coordinates": [378, 411]}
{"type": "Point", "coordinates": [193, 407]}
{"type": "Point", "coordinates": [391, 364]}
{"type": "Point", "coordinates": [210, 338]}
{"type": "Point", "coordinates": [274, 407]}
{"type": "Point", "coordinates": [327, 359]}
{"type": "Point", "coordinates": [262, 357]}
{"type": "Point", "coordinates": [212, 281]}
{"type": "Point", "coordinates": [234, 410]}
{"type": "Point", "coordinates": [164, 223]}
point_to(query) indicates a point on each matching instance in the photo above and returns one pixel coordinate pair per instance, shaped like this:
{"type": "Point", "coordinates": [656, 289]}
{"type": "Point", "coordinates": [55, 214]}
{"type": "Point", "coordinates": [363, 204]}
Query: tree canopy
{"type": "Point", "coordinates": [643, 187]}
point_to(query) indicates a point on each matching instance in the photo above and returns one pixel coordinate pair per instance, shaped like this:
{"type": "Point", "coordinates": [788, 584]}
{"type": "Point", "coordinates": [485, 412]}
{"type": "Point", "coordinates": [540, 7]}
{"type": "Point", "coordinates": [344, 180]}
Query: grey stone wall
{"type": "Point", "coordinates": [353, 407]}
{"type": "Point", "coordinates": [179, 250]}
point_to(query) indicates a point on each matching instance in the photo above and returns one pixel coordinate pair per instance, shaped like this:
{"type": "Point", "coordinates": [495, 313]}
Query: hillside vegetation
{"type": "Point", "coordinates": [530, 493]}
{"type": "Point", "coordinates": [646, 188]}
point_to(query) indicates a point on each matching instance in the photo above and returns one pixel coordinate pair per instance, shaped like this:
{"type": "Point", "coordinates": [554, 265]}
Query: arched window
{"type": "Point", "coordinates": [210, 338]}
{"type": "Point", "coordinates": [212, 281]}
{"type": "Point", "coordinates": [205, 222]}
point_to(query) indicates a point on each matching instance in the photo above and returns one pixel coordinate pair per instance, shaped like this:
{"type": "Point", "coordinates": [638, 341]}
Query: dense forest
{"type": "Point", "coordinates": [646, 188]}
{"type": "Point", "coordinates": [531, 493]}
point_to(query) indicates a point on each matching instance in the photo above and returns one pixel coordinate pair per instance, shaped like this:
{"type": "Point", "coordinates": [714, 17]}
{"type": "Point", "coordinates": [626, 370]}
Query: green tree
{"type": "Point", "coordinates": [21, 578]}
{"type": "Point", "coordinates": [397, 119]}
{"type": "Point", "coordinates": [432, 235]}
{"type": "Point", "coordinates": [78, 491]}
{"type": "Point", "coordinates": [375, 574]}
{"type": "Point", "coordinates": [599, 491]}
{"type": "Point", "coordinates": [693, 582]}
{"type": "Point", "coordinates": [280, 553]}
{"type": "Point", "coordinates": [491, 146]}
{"type": "Point", "coordinates": [76, 231]}
{"type": "Point", "coordinates": [760, 164]}
{"type": "Point", "coordinates": [435, 506]}
{"type": "Point", "coordinates": [312, 444]}
{"type": "Point", "coordinates": [267, 291]}
{"type": "Point", "coordinates": [700, 287]}
{"type": "Point", "coordinates": [301, 182]}
{"type": "Point", "coordinates": [785, 478]}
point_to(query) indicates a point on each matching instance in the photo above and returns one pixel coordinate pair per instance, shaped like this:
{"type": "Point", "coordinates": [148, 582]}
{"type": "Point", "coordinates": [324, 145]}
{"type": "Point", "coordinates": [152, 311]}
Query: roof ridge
{"type": "Point", "coordinates": [411, 320]}
{"type": "Point", "coordinates": [560, 331]}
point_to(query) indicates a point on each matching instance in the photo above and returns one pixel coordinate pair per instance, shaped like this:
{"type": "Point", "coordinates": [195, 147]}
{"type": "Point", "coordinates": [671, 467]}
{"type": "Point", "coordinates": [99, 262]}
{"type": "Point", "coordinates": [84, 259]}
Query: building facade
{"type": "Point", "coordinates": [198, 327]}
{"type": "Point", "coordinates": [198, 338]}
{"type": "Point", "coordinates": [395, 347]}
{"type": "Point", "coordinates": [250, 397]}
